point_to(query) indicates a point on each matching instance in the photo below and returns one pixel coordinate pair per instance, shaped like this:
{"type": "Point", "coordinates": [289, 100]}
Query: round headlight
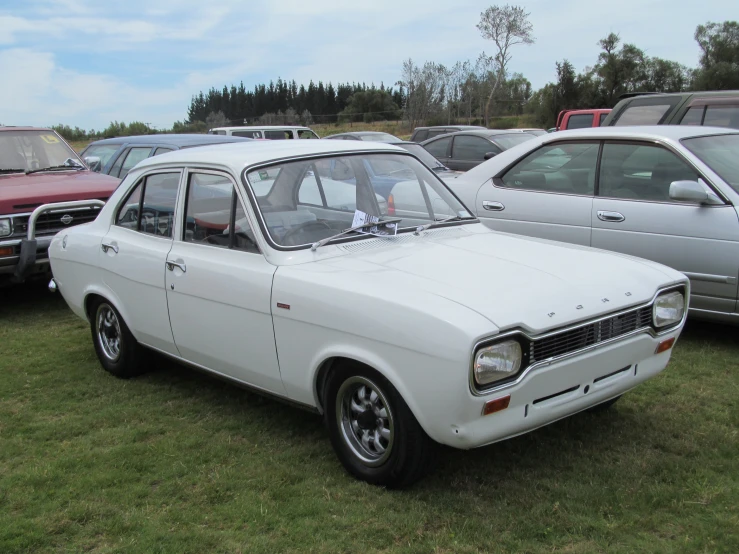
{"type": "Point", "coordinates": [668, 309]}
{"type": "Point", "coordinates": [496, 362]}
{"type": "Point", "coordinates": [5, 228]}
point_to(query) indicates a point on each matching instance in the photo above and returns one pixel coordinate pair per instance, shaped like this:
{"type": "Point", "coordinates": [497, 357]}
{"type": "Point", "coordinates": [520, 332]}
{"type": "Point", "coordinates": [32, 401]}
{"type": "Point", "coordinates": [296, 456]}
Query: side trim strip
{"type": "Point", "coordinates": [710, 278]}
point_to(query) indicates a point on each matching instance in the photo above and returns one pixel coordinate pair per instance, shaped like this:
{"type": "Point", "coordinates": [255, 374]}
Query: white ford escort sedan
{"type": "Point", "coordinates": [404, 325]}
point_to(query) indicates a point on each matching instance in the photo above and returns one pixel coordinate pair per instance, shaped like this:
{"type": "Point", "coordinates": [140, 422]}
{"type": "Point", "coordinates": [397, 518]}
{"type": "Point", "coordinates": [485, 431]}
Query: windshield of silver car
{"type": "Point", "coordinates": [720, 153]}
{"type": "Point", "coordinates": [304, 201]}
{"type": "Point", "coordinates": [32, 150]}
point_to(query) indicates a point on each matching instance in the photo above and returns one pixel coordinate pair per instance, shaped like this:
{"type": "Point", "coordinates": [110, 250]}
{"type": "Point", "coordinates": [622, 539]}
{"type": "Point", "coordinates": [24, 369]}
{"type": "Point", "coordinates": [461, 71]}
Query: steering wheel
{"type": "Point", "coordinates": [318, 225]}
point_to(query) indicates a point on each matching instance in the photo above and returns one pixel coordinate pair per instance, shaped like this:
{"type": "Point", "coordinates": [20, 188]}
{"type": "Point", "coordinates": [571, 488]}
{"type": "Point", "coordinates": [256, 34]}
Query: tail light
{"type": "Point", "coordinates": [390, 205]}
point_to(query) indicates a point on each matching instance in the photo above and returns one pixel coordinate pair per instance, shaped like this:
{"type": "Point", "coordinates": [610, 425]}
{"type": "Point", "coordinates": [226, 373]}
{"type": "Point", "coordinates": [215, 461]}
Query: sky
{"type": "Point", "coordinates": [86, 62]}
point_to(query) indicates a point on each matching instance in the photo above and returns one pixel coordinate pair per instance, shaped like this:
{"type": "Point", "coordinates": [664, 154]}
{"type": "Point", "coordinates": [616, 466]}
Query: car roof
{"type": "Point", "coordinates": [237, 156]}
{"type": "Point", "coordinates": [171, 139]}
{"type": "Point", "coordinates": [358, 133]}
{"type": "Point", "coordinates": [12, 128]}
{"type": "Point", "coordinates": [654, 132]}
{"type": "Point", "coordinates": [630, 96]}
{"type": "Point", "coordinates": [479, 133]}
{"type": "Point", "coordinates": [460, 127]}
{"type": "Point", "coordinates": [268, 127]}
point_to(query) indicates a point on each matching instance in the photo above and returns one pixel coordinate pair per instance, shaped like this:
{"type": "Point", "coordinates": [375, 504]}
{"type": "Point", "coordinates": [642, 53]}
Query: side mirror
{"type": "Point", "coordinates": [489, 155]}
{"type": "Point", "coordinates": [693, 191]}
{"type": "Point", "coordinates": [93, 162]}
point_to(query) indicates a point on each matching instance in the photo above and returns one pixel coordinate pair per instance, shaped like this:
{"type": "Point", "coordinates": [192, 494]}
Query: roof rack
{"type": "Point", "coordinates": [632, 94]}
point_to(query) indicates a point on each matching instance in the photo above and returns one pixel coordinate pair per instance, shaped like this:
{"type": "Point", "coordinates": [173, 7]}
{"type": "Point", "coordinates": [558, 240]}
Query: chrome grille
{"type": "Point", "coordinates": [51, 222]}
{"type": "Point", "coordinates": [571, 340]}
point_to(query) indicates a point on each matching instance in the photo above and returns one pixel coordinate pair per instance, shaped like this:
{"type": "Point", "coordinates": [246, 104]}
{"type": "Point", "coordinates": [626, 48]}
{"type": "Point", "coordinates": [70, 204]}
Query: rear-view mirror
{"type": "Point", "coordinates": [693, 191]}
{"type": "Point", "coordinates": [93, 162]}
{"type": "Point", "coordinates": [489, 155]}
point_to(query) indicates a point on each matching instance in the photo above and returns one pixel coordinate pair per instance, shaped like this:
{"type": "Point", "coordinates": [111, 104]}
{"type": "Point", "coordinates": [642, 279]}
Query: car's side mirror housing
{"type": "Point", "coordinates": [93, 162]}
{"type": "Point", "coordinates": [489, 155]}
{"type": "Point", "coordinates": [693, 191]}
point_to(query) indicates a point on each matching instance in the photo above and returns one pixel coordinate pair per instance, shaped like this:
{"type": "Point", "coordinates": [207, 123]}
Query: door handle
{"type": "Point", "coordinates": [180, 264]}
{"type": "Point", "coordinates": [613, 217]}
{"type": "Point", "coordinates": [493, 206]}
{"type": "Point", "coordinates": [109, 246]}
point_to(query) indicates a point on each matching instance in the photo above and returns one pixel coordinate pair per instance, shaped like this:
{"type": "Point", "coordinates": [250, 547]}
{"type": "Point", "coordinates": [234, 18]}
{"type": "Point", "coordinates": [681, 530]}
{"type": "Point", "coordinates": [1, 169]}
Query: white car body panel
{"type": "Point", "coordinates": [413, 307]}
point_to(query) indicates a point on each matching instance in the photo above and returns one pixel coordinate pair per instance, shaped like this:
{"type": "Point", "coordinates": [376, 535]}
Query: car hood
{"type": "Point", "coordinates": [22, 193]}
{"type": "Point", "coordinates": [512, 281]}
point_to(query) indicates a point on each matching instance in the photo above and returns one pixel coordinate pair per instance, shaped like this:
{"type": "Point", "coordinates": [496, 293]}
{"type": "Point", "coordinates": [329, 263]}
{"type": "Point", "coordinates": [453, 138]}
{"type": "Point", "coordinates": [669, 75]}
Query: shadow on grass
{"type": "Point", "coordinates": [34, 296]}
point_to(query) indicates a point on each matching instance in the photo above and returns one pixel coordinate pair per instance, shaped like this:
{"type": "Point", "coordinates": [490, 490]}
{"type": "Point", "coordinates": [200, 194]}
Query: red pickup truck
{"type": "Point", "coordinates": [38, 167]}
{"type": "Point", "coordinates": [580, 119]}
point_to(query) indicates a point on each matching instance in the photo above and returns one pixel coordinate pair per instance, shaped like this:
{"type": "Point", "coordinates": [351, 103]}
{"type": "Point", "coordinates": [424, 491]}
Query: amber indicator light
{"type": "Point", "coordinates": [492, 406]}
{"type": "Point", "coordinates": [6, 251]}
{"type": "Point", "coordinates": [665, 345]}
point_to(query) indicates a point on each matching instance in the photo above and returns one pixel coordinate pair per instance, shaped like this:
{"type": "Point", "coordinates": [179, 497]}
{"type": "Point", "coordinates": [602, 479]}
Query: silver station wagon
{"type": "Point", "coordinates": [666, 193]}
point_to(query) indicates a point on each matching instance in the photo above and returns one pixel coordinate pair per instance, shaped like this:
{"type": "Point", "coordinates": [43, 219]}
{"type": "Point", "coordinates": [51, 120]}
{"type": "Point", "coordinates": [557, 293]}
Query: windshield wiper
{"type": "Point", "coordinates": [321, 242]}
{"type": "Point", "coordinates": [56, 168]}
{"type": "Point", "coordinates": [12, 171]}
{"type": "Point", "coordinates": [421, 228]}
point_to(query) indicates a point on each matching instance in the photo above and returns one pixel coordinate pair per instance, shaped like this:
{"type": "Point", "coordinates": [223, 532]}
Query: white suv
{"type": "Point", "coordinates": [272, 132]}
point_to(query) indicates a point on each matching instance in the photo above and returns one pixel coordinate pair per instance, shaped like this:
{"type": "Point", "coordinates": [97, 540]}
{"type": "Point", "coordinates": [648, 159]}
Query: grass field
{"type": "Point", "coordinates": [178, 462]}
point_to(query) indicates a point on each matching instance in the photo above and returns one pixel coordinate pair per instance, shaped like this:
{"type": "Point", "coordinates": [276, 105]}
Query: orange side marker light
{"type": "Point", "coordinates": [665, 345]}
{"type": "Point", "coordinates": [492, 406]}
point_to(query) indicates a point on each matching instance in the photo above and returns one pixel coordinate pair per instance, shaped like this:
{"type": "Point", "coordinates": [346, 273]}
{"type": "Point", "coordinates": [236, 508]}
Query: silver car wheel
{"type": "Point", "coordinates": [365, 420]}
{"type": "Point", "coordinates": [108, 332]}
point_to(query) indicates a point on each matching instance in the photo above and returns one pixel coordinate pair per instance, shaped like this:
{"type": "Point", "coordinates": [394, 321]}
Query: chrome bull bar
{"type": "Point", "coordinates": [27, 257]}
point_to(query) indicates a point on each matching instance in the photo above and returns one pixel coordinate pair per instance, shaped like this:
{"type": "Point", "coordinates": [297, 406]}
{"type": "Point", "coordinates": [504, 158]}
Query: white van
{"type": "Point", "coordinates": [272, 132]}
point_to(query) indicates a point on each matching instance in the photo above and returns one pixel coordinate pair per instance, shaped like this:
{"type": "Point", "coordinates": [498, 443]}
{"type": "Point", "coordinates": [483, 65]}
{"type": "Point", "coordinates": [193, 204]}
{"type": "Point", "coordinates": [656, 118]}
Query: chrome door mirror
{"type": "Point", "coordinates": [93, 162]}
{"type": "Point", "coordinates": [693, 191]}
{"type": "Point", "coordinates": [489, 155]}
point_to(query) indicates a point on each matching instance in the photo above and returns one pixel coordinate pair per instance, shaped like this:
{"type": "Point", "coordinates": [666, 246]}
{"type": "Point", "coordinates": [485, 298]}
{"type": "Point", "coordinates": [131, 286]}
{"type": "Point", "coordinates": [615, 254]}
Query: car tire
{"type": "Point", "coordinates": [374, 433]}
{"type": "Point", "coordinates": [118, 351]}
{"type": "Point", "coordinates": [603, 406]}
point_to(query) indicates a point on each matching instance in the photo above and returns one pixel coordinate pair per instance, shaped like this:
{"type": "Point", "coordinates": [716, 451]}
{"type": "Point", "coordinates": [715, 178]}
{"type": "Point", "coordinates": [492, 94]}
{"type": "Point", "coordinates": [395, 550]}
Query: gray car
{"type": "Point", "coordinates": [466, 149]}
{"type": "Point", "coordinates": [665, 193]}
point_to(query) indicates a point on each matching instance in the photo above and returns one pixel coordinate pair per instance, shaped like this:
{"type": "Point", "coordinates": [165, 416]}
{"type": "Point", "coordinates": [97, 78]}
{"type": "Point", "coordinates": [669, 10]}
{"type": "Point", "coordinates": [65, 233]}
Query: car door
{"type": "Point", "coordinates": [441, 150]}
{"type": "Point", "coordinates": [219, 286]}
{"type": "Point", "coordinates": [133, 253]}
{"type": "Point", "coordinates": [633, 213]}
{"type": "Point", "coordinates": [469, 151]}
{"type": "Point", "coordinates": [548, 193]}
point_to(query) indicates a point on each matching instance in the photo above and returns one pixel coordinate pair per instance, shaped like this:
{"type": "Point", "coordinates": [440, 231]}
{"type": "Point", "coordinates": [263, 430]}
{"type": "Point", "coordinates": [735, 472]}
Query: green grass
{"type": "Point", "coordinates": [176, 461]}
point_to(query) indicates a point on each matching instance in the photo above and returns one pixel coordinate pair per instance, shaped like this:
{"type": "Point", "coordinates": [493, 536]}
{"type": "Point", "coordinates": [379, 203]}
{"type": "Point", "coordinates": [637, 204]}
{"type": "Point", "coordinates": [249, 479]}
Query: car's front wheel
{"type": "Point", "coordinates": [117, 349]}
{"type": "Point", "coordinates": [374, 433]}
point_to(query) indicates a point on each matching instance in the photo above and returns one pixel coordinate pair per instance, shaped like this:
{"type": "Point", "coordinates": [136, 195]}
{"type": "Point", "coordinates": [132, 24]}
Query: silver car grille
{"type": "Point", "coordinates": [589, 334]}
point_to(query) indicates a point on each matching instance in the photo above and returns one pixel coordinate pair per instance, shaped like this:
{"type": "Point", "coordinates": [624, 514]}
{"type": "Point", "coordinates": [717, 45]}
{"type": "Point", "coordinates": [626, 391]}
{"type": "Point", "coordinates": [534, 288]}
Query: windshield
{"type": "Point", "coordinates": [30, 150]}
{"type": "Point", "coordinates": [420, 152]}
{"type": "Point", "coordinates": [720, 153]}
{"type": "Point", "coordinates": [305, 201]}
{"type": "Point", "coordinates": [509, 141]}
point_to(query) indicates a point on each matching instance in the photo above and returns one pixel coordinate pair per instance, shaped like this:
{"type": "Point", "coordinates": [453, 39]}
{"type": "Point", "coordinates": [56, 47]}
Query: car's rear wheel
{"type": "Point", "coordinates": [372, 430]}
{"type": "Point", "coordinates": [603, 406]}
{"type": "Point", "coordinates": [117, 349]}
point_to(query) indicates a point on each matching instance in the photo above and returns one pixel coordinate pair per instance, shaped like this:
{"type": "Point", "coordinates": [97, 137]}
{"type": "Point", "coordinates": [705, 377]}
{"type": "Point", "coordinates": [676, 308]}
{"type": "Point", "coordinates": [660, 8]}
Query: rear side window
{"type": "Point", "coordinates": [420, 136]}
{"type": "Point", "coordinates": [149, 208]}
{"type": "Point", "coordinates": [722, 116]}
{"type": "Point", "coordinates": [601, 118]}
{"type": "Point", "coordinates": [247, 134]}
{"type": "Point", "coordinates": [694, 116]}
{"type": "Point", "coordinates": [436, 132]}
{"type": "Point", "coordinates": [278, 135]}
{"type": "Point", "coordinates": [162, 150]}
{"type": "Point", "coordinates": [643, 115]}
{"type": "Point", "coordinates": [567, 168]}
{"type": "Point", "coordinates": [580, 121]}
{"type": "Point", "coordinates": [438, 148]}
{"type": "Point", "coordinates": [216, 132]}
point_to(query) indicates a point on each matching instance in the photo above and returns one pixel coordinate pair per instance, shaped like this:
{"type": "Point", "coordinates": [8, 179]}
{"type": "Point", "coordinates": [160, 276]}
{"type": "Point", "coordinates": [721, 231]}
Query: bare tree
{"type": "Point", "coordinates": [216, 119]}
{"type": "Point", "coordinates": [506, 26]}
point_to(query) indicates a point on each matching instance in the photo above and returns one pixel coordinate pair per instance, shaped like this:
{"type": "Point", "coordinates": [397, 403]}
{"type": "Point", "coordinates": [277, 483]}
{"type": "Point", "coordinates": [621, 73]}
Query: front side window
{"type": "Point", "coordinates": [720, 153]}
{"type": "Point", "coordinates": [641, 171]}
{"type": "Point", "coordinates": [471, 148]}
{"type": "Point", "coordinates": [438, 148]}
{"type": "Point", "coordinates": [162, 150]}
{"type": "Point", "coordinates": [134, 156]}
{"type": "Point", "coordinates": [302, 202]}
{"type": "Point", "coordinates": [509, 141]}
{"type": "Point", "coordinates": [567, 168]}
{"type": "Point", "coordinates": [96, 157]}
{"type": "Point", "coordinates": [580, 121]}
{"type": "Point", "coordinates": [214, 215]}
{"type": "Point", "coordinates": [722, 116]}
{"type": "Point", "coordinates": [149, 207]}
{"type": "Point", "coordinates": [643, 115]}
{"type": "Point", "coordinates": [306, 134]}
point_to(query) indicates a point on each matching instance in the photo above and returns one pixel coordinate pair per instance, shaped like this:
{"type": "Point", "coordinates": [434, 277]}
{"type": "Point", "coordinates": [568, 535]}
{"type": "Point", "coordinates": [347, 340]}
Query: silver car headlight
{"type": "Point", "coordinates": [497, 361]}
{"type": "Point", "coordinates": [6, 229]}
{"type": "Point", "coordinates": [668, 309]}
